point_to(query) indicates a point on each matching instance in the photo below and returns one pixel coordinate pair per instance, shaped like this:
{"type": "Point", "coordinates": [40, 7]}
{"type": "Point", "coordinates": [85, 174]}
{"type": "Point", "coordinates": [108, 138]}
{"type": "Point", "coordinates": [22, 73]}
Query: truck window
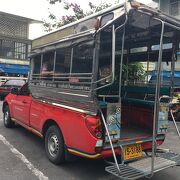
{"type": "Point", "coordinates": [47, 64]}
{"type": "Point", "coordinates": [63, 59]}
{"type": "Point", "coordinates": [36, 64]}
{"type": "Point", "coordinates": [24, 91]}
{"type": "Point", "coordinates": [105, 58]}
{"type": "Point", "coordinates": [82, 58]}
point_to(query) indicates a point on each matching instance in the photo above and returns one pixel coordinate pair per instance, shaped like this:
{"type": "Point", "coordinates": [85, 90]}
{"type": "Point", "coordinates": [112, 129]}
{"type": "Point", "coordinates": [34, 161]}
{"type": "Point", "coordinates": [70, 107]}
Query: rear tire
{"type": "Point", "coordinates": [54, 145]}
{"type": "Point", "coordinates": [8, 123]}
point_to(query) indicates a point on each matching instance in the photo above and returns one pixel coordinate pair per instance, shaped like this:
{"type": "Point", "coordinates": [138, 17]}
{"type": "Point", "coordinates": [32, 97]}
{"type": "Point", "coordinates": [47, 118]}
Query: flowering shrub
{"type": "Point", "coordinates": [78, 13]}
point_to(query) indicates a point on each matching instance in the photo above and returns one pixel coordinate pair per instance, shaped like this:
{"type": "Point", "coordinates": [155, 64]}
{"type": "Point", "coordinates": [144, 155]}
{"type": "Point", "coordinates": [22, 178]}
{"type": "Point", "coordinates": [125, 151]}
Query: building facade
{"type": "Point", "coordinates": [14, 44]}
{"type": "Point", "coordinates": [171, 7]}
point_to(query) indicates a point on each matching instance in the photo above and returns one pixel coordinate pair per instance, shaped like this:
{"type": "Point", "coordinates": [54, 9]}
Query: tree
{"type": "Point", "coordinates": [134, 72]}
{"type": "Point", "coordinates": [55, 22]}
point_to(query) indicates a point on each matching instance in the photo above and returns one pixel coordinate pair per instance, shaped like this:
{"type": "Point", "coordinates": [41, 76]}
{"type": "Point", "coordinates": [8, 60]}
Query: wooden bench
{"type": "Point", "coordinates": [142, 95]}
{"type": "Point", "coordinates": [137, 103]}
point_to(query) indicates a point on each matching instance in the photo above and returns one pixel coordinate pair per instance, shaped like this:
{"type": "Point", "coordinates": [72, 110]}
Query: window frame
{"type": "Point", "coordinates": [174, 5]}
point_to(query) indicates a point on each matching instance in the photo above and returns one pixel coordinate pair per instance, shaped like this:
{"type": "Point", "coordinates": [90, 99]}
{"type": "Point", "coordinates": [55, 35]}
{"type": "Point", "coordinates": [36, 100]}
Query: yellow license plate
{"type": "Point", "coordinates": [132, 151]}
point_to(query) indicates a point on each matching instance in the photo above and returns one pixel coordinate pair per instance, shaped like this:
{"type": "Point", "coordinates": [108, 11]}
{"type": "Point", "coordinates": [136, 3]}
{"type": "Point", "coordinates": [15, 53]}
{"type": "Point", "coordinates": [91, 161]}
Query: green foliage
{"type": "Point", "coordinates": [133, 72]}
{"type": "Point", "coordinates": [78, 13]}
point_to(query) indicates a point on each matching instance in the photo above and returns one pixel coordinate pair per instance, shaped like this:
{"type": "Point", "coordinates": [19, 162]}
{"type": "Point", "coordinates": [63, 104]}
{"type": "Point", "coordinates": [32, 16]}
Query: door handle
{"type": "Point", "coordinates": [24, 102]}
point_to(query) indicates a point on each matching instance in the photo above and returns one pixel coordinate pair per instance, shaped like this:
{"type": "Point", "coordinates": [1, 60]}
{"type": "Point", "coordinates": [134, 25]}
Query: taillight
{"type": "Point", "coordinates": [94, 126]}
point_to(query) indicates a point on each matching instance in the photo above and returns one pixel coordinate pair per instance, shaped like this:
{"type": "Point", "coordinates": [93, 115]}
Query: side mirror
{"type": "Point", "coordinates": [14, 91]}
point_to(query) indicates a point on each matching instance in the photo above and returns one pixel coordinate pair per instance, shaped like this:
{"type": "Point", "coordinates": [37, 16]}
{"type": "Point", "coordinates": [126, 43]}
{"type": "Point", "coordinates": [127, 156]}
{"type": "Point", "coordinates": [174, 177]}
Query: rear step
{"type": "Point", "coordinates": [142, 167]}
{"type": "Point", "coordinates": [172, 156]}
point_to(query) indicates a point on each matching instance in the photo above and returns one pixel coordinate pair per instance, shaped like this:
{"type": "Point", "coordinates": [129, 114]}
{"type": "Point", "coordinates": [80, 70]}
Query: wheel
{"type": "Point", "coordinates": [54, 145]}
{"type": "Point", "coordinates": [8, 123]}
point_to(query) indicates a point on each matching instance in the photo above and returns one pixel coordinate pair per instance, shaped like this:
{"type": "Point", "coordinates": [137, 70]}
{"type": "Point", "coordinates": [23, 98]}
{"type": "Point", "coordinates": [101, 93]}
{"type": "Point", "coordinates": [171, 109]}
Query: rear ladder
{"type": "Point", "coordinates": [144, 167]}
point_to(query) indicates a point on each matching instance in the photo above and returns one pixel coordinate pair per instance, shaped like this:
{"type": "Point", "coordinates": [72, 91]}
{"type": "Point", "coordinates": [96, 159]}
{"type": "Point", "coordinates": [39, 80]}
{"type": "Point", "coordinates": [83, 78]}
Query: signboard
{"type": "Point", "coordinates": [163, 119]}
{"type": "Point", "coordinates": [14, 61]}
{"type": "Point", "coordinates": [114, 120]}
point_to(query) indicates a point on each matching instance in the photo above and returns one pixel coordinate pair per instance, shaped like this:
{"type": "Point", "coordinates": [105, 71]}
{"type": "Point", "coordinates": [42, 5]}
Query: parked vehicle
{"type": "Point", "coordinates": [172, 80]}
{"type": "Point", "coordinates": [6, 87]}
{"type": "Point", "coordinates": [78, 100]}
{"type": "Point", "coordinates": [175, 104]}
{"type": "Point", "coordinates": [167, 78]}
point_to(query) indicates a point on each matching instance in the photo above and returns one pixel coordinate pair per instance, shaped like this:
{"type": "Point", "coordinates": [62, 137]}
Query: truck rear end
{"type": "Point", "coordinates": [130, 124]}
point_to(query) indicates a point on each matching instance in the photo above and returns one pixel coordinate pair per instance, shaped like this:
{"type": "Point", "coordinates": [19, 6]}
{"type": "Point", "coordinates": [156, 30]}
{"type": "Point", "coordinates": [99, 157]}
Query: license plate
{"type": "Point", "coordinates": [132, 151]}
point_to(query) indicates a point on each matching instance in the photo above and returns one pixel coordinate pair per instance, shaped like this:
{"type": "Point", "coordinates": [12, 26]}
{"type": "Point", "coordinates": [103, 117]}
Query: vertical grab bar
{"type": "Point", "coordinates": [121, 62]}
{"type": "Point", "coordinates": [114, 155]}
{"type": "Point", "coordinates": [156, 105]}
{"type": "Point", "coordinates": [175, 124]}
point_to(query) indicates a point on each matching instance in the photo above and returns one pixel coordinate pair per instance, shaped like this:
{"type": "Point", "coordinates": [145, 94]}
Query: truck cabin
{"type": "Point", "coordinates": [111, 65]}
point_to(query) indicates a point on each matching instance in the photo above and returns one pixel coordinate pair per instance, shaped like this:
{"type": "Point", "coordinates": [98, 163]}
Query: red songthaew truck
{"type": "Point", "coordinates": [83, 98]}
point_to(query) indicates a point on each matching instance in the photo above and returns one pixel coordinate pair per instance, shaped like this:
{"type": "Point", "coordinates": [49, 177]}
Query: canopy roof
{"type": "Point", "coordinates": [139, 20]}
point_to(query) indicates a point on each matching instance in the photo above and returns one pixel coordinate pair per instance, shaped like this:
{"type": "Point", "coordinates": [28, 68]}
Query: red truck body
{"type": "Point", "coordinates": [83, 134]}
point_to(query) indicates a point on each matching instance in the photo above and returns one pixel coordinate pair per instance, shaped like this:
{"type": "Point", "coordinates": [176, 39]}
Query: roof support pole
{"type": "Point", "coordinates": [157, 97]}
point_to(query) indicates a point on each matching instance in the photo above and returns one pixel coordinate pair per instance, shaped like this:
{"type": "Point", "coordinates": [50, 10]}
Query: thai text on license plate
{"type": "Point", "coordinates": [132, 152]}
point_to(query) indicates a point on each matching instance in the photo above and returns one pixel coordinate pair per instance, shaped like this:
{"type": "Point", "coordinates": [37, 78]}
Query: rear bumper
{"type": "Point", "coordinates": [106, 151]}
{"type": "Point", "coordinates": [145, 142]}
{"type": "Point", "coordinates": [145, 146]}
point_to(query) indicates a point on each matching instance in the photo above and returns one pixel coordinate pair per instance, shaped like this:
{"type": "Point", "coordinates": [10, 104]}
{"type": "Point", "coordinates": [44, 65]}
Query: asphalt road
{"type": "Point", "coordinates": [22, 157]}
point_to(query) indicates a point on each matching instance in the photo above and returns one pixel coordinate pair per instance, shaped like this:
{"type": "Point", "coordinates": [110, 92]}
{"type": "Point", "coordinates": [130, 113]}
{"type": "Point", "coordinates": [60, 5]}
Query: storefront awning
{"type": "Point", "coordinates": [14, 68]}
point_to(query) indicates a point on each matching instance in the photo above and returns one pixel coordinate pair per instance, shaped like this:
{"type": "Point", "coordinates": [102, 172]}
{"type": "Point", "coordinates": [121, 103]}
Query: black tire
{"type": "Point", "coordinates": [8, 123]}
{"type": "Point", "coordinates": [54, 145]}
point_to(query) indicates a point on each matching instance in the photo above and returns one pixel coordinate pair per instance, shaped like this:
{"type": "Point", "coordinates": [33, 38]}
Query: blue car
{"type": "Point", "coordinates": [166, 77]}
